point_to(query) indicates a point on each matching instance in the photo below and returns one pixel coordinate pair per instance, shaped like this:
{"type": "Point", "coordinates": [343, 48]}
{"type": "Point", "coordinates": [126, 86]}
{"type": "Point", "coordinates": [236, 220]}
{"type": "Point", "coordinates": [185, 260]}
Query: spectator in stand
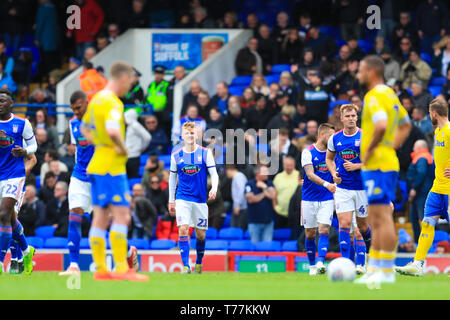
{"type": "Point", "coordinates": [432, 23]}
{"type": "Point", "coordinates": [267, 48]}
{"type": "Point", "coordinates": [53, 78]}
{"type": "Point", "coordinates": [6, 80]}
{"type": "Point", "coordinates": [445, 91]}
{"type": "Point", "coordinates": [415, 69]}
{"type": "Point", "coordinates": [191, 116]}
{"type": "Point", "coordinates": [159, 141]}
{"type": "Point", "coordinates": [191, 96]}
{"type": "Point", "coordinates": [220, 99]}
{"type": "Point", "coordinates": [409, 28]}
{"type": "Point", "coordinates": [259, 84]}
{"type": "Point", "coordinates": [178, 74]}
{"type": "Point", "coordinates": [304, 25]}
{"type": "Point", "coordinates": [201, 19]}
{"type": "Point", "coordinates": [350, 13]}
{"type": "Point", "coordinates": [274, 89]}
{"type": "Point", "coordinates": [137, 17]}
{"type": "Point", "coordinates": [391, 66]}
{"type": "Point", "coordinates": [203, 104]}
{"type": "Point", "coordinates": [216, 209]}
{"type": "Point", "coordinates": [403, 51]}
{"type": "Point", "coordinates": [421, 121]}
{"type": "Point", "coordinates": [287, 148]}
{"type": "Point", "coordinates": [43, 146]}
{"type": "Point", "coordinates": [253, 23]}
{"type": "Point", "coordinates": [379, 46]}
{"type": "Point", "coordinates": [307, 63]}
{"type": "Point", "coordinates": [335, 118]}
{"type": "Point", "coordinates": [405, 150]}
{"type": "Point", "coordinates": [45, 36]}
{"type": "Point", "coordinates": [294, 211]}
{"type": "Point", "coordinates": [441, 59]}
{"type": "Point", "coordinates": [281, 29]}
{"type": "Point", "coordinates": [248, 61]}
{"type": "Point", "coordinates": [157, 195]}
{"type": "Point", "coordinates": [291, 47]}
{"type": "Point", "coordinates": [420, 98]}
{"type": "Point", "coordinates": [101, 42]}
{"type": "Point", "coordinates": [143, 214]}
{"type": "Point", "coordinates": [287, 87]}
{"type": "Point", "coordinates": [348, 86]}
{"type": "Point", "coordinates": [285, 184]}
{"type": "Point", "coordinates": [343, 57]}
{"type": "Point", "coordinates": [283, 119]}
{"type": "Point", "coordinates": [74, 63]}
{"type": "Point", "coordinates": [235, 118]}
{"type": "Point", "coordinates": [46, 191]}
{"type": "Point", "coordinates": [137, 140]}
{"type": "Point", "coordinates": [315, 95]}
{"type": "Point", "coordinates": [408, 104]}
{"type": "Point", "coordinates": [32, 211]}
{"type": "Point", "coordinates": [230, 21]}
{"type": "Point", "coordinates": [405, 243]}
{"type": "Point", "coordinates": [356, 52]}
{"type": "Point", "coordinates": [260, 195]}
{"type": "Point", "coordinates": [7, 62]}
{"type": "Point", "coordinates": [135, 95]}
{"type": "Point", "coordinates": [58, 210]}
{"type": "Point", "coordinates": [91, 81]}
{"type": "Point", "coordinates": [300, 121]}
{"type": "Point", "coordinates": [420, 176]}
{"type": "Point", "coordinates": [89, 53]}
{"type": "Point", "coordinates": [51, 155]}
{"type": "Point", "coordinates": [259, 115]}
{"type": "Point", "coordinates": [281, 100]}
{"type": "Point", "coordinates": [323, 46]}
{"type": "Point", "coordinates": [12, 14]}
{"type": "Point", "coordinates": [310, 134]}
{"type": "Point", "coordinates": [215, 119]}
{"type": "Point", "coordinates": [238, 186]}
{"type": "Point", "coordinates": [53, 166]}
{"type": "Point", "coordinates": [113, 32]}
{"type": "Point", "coordinates": [248, 98]}
{"type": "Point", "coordinates": [45, 122]}
{"type": "Point", "coordinates": [40, 96]}
{"type": "Point", "coordinates": [91, 21]}
{"type": "Point", "coordinates": [153, 167]}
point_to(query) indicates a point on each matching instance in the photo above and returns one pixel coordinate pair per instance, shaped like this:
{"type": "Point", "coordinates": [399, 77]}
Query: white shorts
{"type": "Point", "coordinates": [315, 212]}
{"type": "Point", "coordinates": [192, 214]}
{"type": "Point", "coordinates": [351, 201]}
{"type": "Point", "coordinates": [80, 195]}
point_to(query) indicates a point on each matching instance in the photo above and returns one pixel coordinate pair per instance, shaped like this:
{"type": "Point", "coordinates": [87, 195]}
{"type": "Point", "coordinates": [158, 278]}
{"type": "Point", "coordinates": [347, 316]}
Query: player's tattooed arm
{"type": "Point", "coordinates": [317, 180]}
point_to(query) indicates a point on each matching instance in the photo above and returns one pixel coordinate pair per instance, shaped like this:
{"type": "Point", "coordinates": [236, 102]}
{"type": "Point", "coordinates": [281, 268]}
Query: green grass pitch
{"type": "Point", "coordinates": [224, 286]}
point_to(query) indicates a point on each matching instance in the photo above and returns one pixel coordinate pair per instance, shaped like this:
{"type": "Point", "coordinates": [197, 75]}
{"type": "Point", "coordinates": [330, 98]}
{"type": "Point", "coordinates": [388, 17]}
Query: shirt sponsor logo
{"type": "Point", "coordinates": [5, 141]}
{"type": "Point", "coordinates": [349, 154]}
{"type": "Point", "coordinates": [15, 128]}
{"type": "Point", "coordinates": [191, 169]}
{"type": "Point", "coordinates": [440, 144]}
{"type": "Point", "coordinates": [322, 167]}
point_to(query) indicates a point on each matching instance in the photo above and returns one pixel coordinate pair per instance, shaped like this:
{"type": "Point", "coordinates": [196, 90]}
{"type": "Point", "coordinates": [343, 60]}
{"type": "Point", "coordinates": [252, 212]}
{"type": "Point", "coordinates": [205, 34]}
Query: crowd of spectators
{"type": "Point", "coordinates": [414, 42]}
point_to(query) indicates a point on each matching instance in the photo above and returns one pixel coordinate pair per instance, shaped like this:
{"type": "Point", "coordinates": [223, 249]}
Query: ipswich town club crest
{"type": "Point", "coordinates": [5, 141]}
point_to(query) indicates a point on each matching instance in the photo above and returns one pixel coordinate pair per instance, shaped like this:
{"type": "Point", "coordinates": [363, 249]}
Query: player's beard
{"type": "Point", "coordinates": [434, 121]}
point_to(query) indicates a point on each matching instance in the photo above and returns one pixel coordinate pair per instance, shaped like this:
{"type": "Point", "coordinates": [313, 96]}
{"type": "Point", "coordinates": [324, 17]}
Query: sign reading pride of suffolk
{"type": "Point", "coordinates": [185, 49]}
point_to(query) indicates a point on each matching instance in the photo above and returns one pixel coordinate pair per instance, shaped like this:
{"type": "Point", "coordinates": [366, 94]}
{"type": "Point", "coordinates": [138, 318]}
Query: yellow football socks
{"type": "Point", "coordinates": [98, 247]}
{"type": "Point", "coordinates": [118, 240]}
{"type": "Point", "coordinates": [425, 241]}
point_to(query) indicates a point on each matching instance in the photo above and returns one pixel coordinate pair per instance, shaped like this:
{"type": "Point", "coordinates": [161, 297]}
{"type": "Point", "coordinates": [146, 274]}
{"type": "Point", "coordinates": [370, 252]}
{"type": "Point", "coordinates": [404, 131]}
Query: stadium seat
{"type": "Point", "coordinates": [268, 246]}
{"type": "Point", "coordinates": [365, 45]}
{"type": "Point", "coordinates": [246, 235]}
{"type": "Point", "coordinates": [282, 234]}
{"type": "Point", "coordinates": [216, 245]}
{"type": "Point", "coordinates": [162, 244]}
{"type": "Point", "coordinates": [141, 244]}
{"type": "Point", "coordinates": [438, 81]}
{"type": "Point", "coordinates": [425, 57]}
{"type": "Point", "coordinates": [272, 78]}
{"type": "Point", "coordinates": [133, 181]}
{"type": "Point", "coordinates": [236, 90]}
{"type": "Point", "coordinates": [45, 232]}
{"type": "Point", "coordinates": [439, 236]}
{"type": "Point", "coordinates": [289, 246]}
{"type": "Point", "coordinates": [144, 158]}
{"type": "Point", "coordinates": [240, 245]}
{"type": "Point", "coordinates": [227, 221]}
{"type": "Point", "coordinates": [279, 68]}
{"type": "Point", "coordinates": [166, 160]}
{"type": "Point", "coordinates": [84, 243]}
{"type": "Point", "coordinates": [434, 90]}
{"type": "Point", "coordinates": [336, 102]}
{"type": "Point", "coordinates": [231, 234]}
{"type": "Point", "coordinates": [211, 233]}
{"type": "Point", "coordinates": [56, 243]}
{"type": "Point", "coordinates": [35, 242]}
{"type": "Point", "coordinates": [264, 147]}
{"type": "Point", "coordinates": [329, 30]}
{"type": "Point", "coordinates": [241, 81]}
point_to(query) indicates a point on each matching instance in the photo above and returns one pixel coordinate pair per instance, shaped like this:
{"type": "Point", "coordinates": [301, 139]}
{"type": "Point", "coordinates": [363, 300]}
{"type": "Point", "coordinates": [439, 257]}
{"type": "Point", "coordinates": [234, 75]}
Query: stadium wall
{"type": "Point", "coordinates": [135, 47]}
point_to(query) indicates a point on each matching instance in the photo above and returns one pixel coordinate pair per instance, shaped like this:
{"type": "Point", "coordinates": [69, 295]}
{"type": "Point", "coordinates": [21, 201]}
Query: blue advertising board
{"type": "Point", "coordinates": [185, 49]}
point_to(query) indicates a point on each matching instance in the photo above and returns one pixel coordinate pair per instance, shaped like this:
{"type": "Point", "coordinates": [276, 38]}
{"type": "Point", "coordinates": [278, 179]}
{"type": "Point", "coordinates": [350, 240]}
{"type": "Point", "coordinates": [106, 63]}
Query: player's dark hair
{"type": "Point", "coordinates": [440, 106]}
{"type": "Point", "coordinates": [77, 95]}
{"type": "Point", "coordinates": [375, 63]}
{"type": "Point", "coordinates": [6, 91]}
{"type": "Point", "coordinates": [52, 153]}
{"type": "Point", "coordinates": [325, 127]}
{"type": "Point", "coordinates": [284, 131]}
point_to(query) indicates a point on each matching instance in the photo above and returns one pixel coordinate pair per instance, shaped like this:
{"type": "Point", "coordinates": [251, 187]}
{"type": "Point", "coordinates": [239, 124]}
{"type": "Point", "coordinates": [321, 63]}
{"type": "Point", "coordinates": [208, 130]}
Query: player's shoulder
{"type": "Point", "coordinates": [338, 133]}
{"type": "Point", "coordinates": [74, 120]}
{"type": "Point", "coordinates": [17, 119]}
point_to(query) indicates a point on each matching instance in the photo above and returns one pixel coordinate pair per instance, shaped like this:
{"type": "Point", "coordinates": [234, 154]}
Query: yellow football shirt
{"type": "Point", "coordinates": [441, 184]}
{"type": "Point", "coordinates": [105, 111]}
{"type": "Point", "coordinates": [381, 103]}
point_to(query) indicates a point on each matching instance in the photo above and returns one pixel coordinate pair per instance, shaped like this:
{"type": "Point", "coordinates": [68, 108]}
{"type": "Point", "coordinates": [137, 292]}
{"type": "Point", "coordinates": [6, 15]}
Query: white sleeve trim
{"type": "Point", "coordinates": [380, 115]}
{"type": "Point", "coordinates": [173, 164]}
{"type": "Point", "coordinates": [210, 159]}
{"type": "Point", "coordinates": [306, 158]}
{"type": "Point", "coordinates": [29, 139]}
{"type": "Point", "coordinates": [172, 185]}
{"type": "Point", "coordinates": [214, 178]}
{"type": "Point", "coordinates": [72, 138]}
{"type": "Point", "coordinates": [331, 144]}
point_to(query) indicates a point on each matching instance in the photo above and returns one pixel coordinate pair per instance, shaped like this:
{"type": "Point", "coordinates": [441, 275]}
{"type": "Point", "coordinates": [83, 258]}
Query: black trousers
{"type": "Point", "coordinates": [133, 165]}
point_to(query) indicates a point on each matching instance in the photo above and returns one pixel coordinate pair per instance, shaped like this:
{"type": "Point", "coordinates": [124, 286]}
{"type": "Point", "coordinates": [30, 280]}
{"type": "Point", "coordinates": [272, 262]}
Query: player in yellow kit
{"type": "Point", "coordinates": [103, 125]}
{"type": "Point", "coordinates": [436, 205]}
{"type": "Point", "coordinates": [385, 125]}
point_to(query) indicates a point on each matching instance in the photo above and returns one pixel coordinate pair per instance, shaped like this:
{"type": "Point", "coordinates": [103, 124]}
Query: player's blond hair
{"type": "Point", "coordinates": [349, 106]}
{"type": "Point", "coordinates": [120, 68]}
{"type": "Point", "coordinates": [440, 106]}
{"type": "Point", "coordinates": [325, 127]}
{"type": "Point", "coordinates": [188, 126]}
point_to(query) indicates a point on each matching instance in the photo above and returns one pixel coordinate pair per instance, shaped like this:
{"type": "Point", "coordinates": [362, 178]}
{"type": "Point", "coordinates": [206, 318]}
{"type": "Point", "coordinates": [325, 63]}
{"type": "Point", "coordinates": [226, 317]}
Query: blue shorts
{"type": "Point", "coordinates": [108, 189]}
{"type": "Point", "coordinates": [380, 186]}
{"type": "Point", "coordinates": [436, 205]}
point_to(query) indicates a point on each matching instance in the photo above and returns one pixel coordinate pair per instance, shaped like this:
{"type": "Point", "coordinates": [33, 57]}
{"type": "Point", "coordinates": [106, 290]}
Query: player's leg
{"type": "Point", "coordinates": [200, 247]}
{"type": "Point", "coordinates": [118, 236]}
{"type": "Point", "coordinates": [200, 216]}
{"type": "Point", "coordinates": [26, 250]}
{"type": "Point", "coordinates": [360, 248]}
{"type": "Point", "coordinates": [324, 218]}
{"type": "Point", "coordinates": [344, 211]}
{"type": "Point", "coordinates": [73, 239]}
{"type": "Point", "coordinates": [362, 219]}
{"type": "Point", "coordinates": [183, 210]}
{"type": "Point", "coordinates": [97, 241]}
{"type": "Point", "coordinates": [309, 221]}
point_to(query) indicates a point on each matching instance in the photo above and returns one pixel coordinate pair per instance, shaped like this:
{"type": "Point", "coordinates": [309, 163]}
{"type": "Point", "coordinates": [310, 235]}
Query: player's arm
{"type": "Point", "coordinates": [173, 177]}
{"type": "Point", "coordinates": [309, 169]}
{"type": "Point", "coordinates": [403, 129]}
{"type": "Point", "coordinates": [29, 145]}
{"type": "Point", "coordinates": [30, 163]}
{"type": "Point", "coordinates": [331, 156]}
{"type": "Point", "coordinates": [211, 165]}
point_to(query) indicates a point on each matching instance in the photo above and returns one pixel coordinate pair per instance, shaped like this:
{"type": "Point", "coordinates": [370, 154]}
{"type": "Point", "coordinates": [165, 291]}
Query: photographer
{"type": "Point", "coordinates": [415, 69]}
